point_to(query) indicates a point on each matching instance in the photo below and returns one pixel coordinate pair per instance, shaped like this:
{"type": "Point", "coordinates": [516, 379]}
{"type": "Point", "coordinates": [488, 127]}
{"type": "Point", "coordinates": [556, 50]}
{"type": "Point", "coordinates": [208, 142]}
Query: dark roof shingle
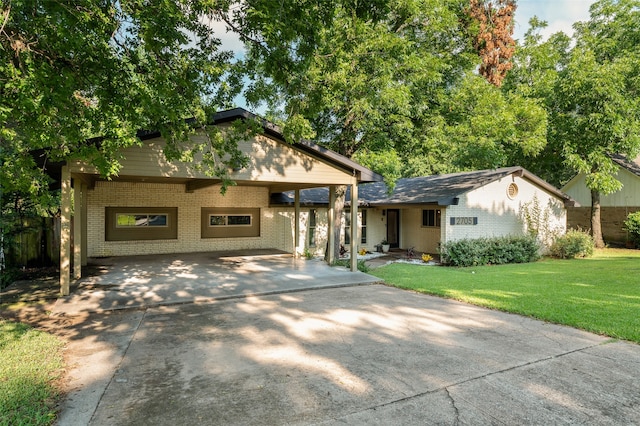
{"type": "Point", "coordinates": [441, 190]}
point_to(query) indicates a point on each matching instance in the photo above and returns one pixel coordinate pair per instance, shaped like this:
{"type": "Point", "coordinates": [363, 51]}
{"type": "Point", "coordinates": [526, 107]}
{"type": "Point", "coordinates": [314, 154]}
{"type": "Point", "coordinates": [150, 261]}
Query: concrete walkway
{"type": "Point", "coordinates": [349, 355]}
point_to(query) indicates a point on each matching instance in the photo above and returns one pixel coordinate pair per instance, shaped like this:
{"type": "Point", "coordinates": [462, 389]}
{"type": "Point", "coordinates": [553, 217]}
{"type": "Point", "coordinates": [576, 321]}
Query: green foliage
{"type": "Point", "coordinates": [597, 294]}
{"type": "Point", "coordinates": [490, 251]}
{"type": "Point", "coordinates": [575, 243]}
{"type": "Point", "coordinates": [632, 226]}
{"type": "Point", "coordinates": [81, 81]}
{"type": "Point", "coordinates": [31, 362]}
{"type": "Point", "coordinates": [387, 163]}
{"type": "Point", "coordinates": [486, 127]}
{"type": "Point", "coordinates": [308, 254]}
{"type": "Point", "coordinates": [537, 221]}
{"type": "Point", "coordinates": [346, 263]}
{"type": "Point", "coordinates": [589, 88]}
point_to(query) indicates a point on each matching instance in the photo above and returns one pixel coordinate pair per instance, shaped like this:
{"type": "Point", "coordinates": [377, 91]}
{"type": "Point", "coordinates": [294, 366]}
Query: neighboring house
{"type": "Point", "coordinates": [614, 207]}
{"type": "Point", "coordinates": [154, 206]}
{"type": "Point", "coordinates": [425, 212]}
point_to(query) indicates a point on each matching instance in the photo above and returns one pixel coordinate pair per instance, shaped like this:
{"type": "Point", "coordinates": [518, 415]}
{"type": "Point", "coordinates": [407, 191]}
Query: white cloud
{"type": "Point", "coordinates": [559, 14]}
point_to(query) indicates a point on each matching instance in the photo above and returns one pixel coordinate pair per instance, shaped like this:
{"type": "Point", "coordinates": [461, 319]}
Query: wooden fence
{"type": "Point", "coordinates": [37, 245]}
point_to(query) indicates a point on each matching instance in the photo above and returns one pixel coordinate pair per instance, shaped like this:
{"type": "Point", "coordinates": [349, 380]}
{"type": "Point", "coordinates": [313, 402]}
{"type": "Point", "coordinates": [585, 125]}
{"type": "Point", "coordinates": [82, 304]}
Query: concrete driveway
{"type": "Point", "coordinates": [141, 281]}
{"type": "Point", "coordinates": [350, 355]}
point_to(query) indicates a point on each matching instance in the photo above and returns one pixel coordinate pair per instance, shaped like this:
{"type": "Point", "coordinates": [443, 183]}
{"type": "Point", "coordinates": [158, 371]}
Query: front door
{"type": "Point", "coordinates": [393, 228]}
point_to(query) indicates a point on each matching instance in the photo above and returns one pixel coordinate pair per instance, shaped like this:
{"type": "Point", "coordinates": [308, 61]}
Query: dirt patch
{"type": "Point", "coordinates": [30, 300]}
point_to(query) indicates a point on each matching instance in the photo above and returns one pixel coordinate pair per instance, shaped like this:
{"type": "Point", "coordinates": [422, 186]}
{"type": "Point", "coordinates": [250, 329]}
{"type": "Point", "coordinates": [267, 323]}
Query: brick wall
{"type": "Point", "coordinates": [612, 221]}
{"type": "Point", "coordinates": [138, 194]}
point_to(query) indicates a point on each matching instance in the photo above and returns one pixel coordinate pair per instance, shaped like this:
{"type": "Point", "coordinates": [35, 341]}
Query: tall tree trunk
{"type": "Point", "coordinates": [596, 223]}
{"type": "Point", "coordinates": [341, 195]}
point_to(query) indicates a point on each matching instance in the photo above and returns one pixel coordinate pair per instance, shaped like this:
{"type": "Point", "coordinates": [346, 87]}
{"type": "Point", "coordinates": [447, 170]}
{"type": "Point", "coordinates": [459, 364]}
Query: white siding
{"type": "Point", "coordinates": [628, 196]}
{"type": "Point", "coordinates": [497, 214]}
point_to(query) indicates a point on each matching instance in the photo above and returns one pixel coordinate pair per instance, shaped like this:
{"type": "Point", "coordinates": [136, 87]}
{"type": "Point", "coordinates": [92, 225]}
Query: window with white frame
{"type": "Point", "coordinates": [229, 222]}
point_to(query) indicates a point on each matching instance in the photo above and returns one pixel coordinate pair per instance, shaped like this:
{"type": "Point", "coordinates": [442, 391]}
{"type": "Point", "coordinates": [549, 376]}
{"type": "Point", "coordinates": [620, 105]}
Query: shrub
{"type": "Point", "coordinates": [362, 265]}
{"type": "Point", "coordinates": [632, 226]}
{"type": "Point", "coordinates": [494, 251]}
{"type": "Point", "coordinates": [575, 243]}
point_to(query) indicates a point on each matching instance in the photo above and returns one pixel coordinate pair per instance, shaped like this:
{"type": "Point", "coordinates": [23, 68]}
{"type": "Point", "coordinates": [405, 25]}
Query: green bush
{"type": "Point", "coordinates": [490, 251]}
{"type": "Point", "coordinates": [362, 266]}
{"type": "Point", "coordinates": [575, 243]}
{"type": "Point", "coordinates": [632, 226]}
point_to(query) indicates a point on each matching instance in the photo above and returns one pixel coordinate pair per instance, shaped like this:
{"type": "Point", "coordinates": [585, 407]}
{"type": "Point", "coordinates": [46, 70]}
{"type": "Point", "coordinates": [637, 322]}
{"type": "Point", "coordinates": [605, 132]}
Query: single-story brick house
{"type": "Point", "coordinates": [614, 207]}
{"type": "Point", "coordinates": [424, 212]}
{"type": "Point", "coordinates": [156, 207]}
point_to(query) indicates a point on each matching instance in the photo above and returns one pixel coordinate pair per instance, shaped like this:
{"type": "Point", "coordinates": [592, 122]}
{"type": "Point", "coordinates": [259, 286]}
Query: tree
{"type": "Point", "coordinates": [591, 94]}
{"type": "Point", "coordinates": [369, 78]}
{"type": "Point", "coordinates": [487, 128]}
{"type": "Point", "coordinates": [537, 64]}
{"type": "Point", "coordinates": [492, 37]}
{"type": "Point", "coordinates": [79, 78]}
{"type": "Point", "coordinates": [598, 98]}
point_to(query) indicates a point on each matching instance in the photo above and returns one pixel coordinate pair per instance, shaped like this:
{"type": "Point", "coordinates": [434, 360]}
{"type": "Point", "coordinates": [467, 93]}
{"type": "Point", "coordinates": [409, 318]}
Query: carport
{"type": "Point", "coordinates": [193, 215]}
{"type": "Point", "coordinates": [132, 282]}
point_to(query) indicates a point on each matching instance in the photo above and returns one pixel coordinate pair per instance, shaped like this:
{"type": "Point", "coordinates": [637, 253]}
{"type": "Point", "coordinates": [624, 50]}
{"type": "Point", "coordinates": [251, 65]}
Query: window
{"type": "Point", "coordinates": [141, 223]}
{"type": "Point", "coordinates": [126, 220]}
{"type": "Point", "coordinates": [313, 218]}
{"type": "Point", "coordinates": [229, 220]}
{"type": "Point", "coordinates": [431, 218]}
{"type": "Point", "coordinates": [363, 227]}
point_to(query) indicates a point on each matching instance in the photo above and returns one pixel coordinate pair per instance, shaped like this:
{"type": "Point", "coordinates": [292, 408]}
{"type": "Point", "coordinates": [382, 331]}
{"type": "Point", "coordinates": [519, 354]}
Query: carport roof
{"type": "Point", "coordinates": [362, 173]}
{"type": "Point", "coordinates": [442, 190]}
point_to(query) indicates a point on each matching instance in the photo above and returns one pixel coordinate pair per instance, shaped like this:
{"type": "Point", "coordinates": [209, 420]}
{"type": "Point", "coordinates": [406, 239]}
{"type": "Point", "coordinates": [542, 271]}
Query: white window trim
{"type": "Point", "coordinates": [226, 220]}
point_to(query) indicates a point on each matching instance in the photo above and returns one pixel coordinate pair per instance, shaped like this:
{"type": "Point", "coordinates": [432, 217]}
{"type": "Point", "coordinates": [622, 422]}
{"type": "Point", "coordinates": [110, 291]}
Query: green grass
{"type": "Point", "coordinates": [600, 294]}
{"type": "Point", "coordinates": [30, 362]}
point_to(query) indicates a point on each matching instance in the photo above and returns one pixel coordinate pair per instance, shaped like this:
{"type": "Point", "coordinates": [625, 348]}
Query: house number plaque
{"type": "Point", "coordinates": [463, 220]}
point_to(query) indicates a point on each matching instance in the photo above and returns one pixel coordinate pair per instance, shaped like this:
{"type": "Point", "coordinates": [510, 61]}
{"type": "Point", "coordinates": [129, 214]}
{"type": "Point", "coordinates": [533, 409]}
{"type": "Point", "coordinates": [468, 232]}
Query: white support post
{"type": "Point", "coordinates": [65, 231]}
{"type": "Point", "coordinates": [354, 225]}
{"type": "Point", "coordinates": [296, 238]}
{"type": "Point", "coordinates": [331, 255]}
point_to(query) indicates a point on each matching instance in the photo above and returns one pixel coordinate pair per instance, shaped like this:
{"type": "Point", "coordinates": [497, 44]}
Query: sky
{"type": "Point", "coordinates": [559, 14]}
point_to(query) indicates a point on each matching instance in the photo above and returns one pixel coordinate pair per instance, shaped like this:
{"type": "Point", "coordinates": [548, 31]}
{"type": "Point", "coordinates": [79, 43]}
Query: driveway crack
{"type": "Point", "coordinates": [456, 420]}
{"type": "Point", "coordinates": [471, 379]}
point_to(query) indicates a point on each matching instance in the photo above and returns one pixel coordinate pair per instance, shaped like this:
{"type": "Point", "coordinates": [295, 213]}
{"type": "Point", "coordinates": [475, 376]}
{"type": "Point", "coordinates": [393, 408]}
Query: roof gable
{"type": "Point", "coordinates": [362, 173]}
{"type": "Point", "coordinates": [442, 190]}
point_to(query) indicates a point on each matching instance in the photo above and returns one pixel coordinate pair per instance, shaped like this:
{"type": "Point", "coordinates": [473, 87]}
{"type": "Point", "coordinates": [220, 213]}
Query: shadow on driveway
{"type": "Point", "coordinates": [350, 355]}
{"type": "Point", "coordinates": [143, 281]}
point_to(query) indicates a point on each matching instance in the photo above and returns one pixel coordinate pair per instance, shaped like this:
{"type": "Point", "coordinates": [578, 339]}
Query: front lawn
{"type": "Point", "coordinates": [600, 294]}
{"type": "Point", "coordinates": [30, 362]}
